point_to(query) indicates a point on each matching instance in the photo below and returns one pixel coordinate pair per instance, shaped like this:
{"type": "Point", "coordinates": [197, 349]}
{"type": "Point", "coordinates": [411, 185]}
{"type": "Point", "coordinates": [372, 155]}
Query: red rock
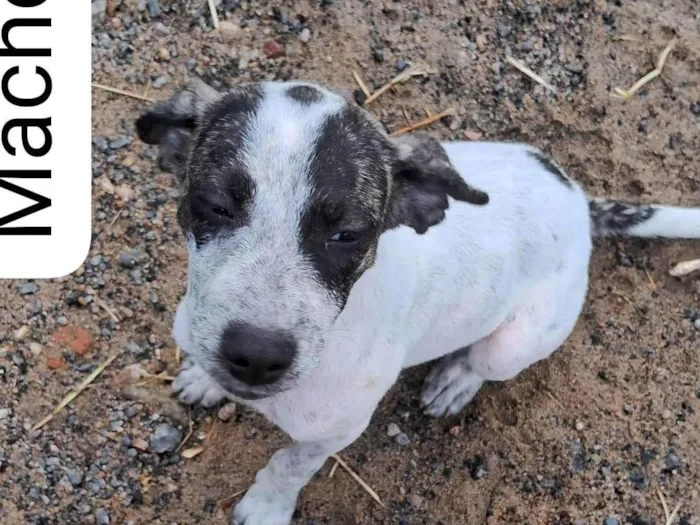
{"type": "Point", "coordinates": [76, 339]}
{"type": "Point", "coordinates": [55, 362]}
{"type": "Point", "coordinates": [273, 50]}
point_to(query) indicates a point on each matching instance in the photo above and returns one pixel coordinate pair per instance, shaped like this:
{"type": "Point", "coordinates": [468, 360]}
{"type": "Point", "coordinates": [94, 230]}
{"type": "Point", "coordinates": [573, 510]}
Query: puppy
{"type": "Point", "coordinates": [325, 256]}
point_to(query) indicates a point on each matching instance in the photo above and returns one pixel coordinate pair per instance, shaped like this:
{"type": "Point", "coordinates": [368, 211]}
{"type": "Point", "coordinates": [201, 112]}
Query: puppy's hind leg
{"type": "Point", "coordinates": [451, 384]}
{"type": "Point", "coordinates": [537, 329]}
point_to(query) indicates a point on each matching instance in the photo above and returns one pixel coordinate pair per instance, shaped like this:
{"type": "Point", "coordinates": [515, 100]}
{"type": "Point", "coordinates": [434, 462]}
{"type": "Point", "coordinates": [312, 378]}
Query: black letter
{"type": "Point", "coordinates": [12, 51]}
{"type": "Point", "coordinates": [26, 123]}
{"type": "Point", "coordinates": [26, 102]}
{"type": "Point", "coordinates": [26, 3]}
{"type": "Point", "coordinates": [41, 203]}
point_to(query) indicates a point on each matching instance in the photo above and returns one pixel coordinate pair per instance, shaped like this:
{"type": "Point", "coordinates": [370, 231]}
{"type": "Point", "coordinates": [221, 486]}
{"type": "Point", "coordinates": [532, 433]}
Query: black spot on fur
{"type": "Point", "coordinates": [610, 217]}
{"type": "Point", "coordinates": [549, 165]}
{"type": "Point", "coordinates": [349, 171]}
{"type": "Point", "coordinates": [306, 95]}
{"type": "Point", "coordinates": [219, 189]}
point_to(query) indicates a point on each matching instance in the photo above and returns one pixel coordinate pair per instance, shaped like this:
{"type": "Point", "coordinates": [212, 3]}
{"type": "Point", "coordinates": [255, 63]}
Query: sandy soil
{"type": "Point", "coordinates": [591, 434]}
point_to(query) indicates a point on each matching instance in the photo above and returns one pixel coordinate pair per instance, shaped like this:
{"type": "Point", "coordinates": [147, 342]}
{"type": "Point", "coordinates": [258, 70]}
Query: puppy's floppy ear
{"type": "Point", "coordinates": [423, 178]}
{"type": "Point", "coordinates": [171, 124]}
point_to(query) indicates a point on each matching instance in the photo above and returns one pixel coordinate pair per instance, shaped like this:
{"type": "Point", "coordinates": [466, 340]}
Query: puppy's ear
{"type": "Point", "coordinates": [172, 124]}
{"type": "Point", "coordinates": [423, 178]}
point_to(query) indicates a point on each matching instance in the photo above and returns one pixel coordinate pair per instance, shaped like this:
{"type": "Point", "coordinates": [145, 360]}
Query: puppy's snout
{"type": "Point", "coordinates": [256, 356]}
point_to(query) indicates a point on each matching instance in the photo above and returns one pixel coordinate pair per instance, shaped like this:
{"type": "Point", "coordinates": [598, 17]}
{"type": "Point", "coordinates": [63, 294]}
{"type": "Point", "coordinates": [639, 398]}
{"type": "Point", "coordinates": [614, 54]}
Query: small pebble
{"type": "Point", "coordinates": [610, 521]}
{"type": "Point", "coordinates": [74, 476]}
{"type": "Point", "coordinates": [579, 426]}
{"type": "Point", "coordinates": [273, 50]}
{"type": "Point", "coordinates": [28, 288]}
{"type": "Point", "coordinates": [416, 501]}
{"type": "Point", "coordinates": [165, 439]}
{"type": "Point", "coordinates": [35, 348]}
{"type": "Point", "coordinates": [638, 478]}
{"type": "Point", "coordinates": [140, 444]}
{"type": "Point", "coordinates": [393, 430]}
{"type": "Point", "coordinates": [159, 82]}
{"type": "Point", "coordinates": [153, 8]}
{"type": "Point", "coordinates": [504, 30]}
{"type": "Point", "coordinates": [4, 413]}
{"type": "Point", "coordinates": [305, 35]}
{"type": "Point", "coordinates": [161, 29]}
{"type": "Point", "coordinates": [126, 260]}
{"type": "Point", "coordinates": [359, 97]}
{"type": "Point", "coordinates": [672, 462]}
{"type": "Point", "coordinates": [101, 517]}
{"type": "Point", "coordinates": [227, 411]}
{"type": "Point", "coordinates": [402, 439]}
{"type": "Point", "coordinates": [119, 143]}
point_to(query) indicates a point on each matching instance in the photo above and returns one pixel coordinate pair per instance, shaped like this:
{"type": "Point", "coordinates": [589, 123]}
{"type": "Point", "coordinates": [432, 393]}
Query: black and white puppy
{"type": "Point", "coordinates": [323, 259]}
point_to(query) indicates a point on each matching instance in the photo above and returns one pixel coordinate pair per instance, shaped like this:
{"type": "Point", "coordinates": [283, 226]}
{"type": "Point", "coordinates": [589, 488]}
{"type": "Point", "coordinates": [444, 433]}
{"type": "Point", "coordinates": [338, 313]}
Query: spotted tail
{"type": "Point", "coordinates": [613, 217]}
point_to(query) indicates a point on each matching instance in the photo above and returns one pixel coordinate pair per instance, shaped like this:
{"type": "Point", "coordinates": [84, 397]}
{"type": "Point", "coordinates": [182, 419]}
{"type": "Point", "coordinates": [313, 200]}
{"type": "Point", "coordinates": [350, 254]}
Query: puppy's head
{"type": "Point", "coordinates": [288, 189]}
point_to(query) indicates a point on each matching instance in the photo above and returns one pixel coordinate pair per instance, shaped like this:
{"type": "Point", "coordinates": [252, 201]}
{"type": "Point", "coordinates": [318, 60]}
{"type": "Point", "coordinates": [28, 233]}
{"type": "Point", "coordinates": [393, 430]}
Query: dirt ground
{"type": "Point", "coordinates": [590, 436]}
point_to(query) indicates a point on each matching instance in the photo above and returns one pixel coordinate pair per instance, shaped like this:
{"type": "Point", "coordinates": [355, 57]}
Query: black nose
{"type": "Point", "coordinates": [256, 356]}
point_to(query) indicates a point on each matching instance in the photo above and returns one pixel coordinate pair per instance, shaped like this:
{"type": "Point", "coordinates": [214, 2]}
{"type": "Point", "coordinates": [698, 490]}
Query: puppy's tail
{"type": "Point", "coordinates": [614, 217]}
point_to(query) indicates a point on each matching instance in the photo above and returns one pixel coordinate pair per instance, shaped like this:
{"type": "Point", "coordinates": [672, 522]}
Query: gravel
{"type": "Point", "coordinates": [227, 412]}
{"type": "Point", "coordinates": [161, 29]}
{"type": "Point", "coordinates": [102, 517]}
{"type": "Point", "coordinates": [28, 288]}
{"type": "Point", "coordinates": [393, 430]}
{"type": "Point", "coordinates": [153, 8]}
{"type": "Point", "coordinates": [402, 439]}
{"type": "Point", "coordinates": [165, 439]}
{"type": "Point", "coordinates": [305, 35]}
{"type": "Point", "coordinates": [75, 477]}
{"type": "Point", "coordinates": [127, 260]}
{"type": "Point", "coordinates": [672, 462]}
{"type": "Point", "coordinates": [504, 30]}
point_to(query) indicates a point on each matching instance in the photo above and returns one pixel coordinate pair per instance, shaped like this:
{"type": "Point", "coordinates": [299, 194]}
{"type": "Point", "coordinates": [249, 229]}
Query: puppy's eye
{"type": "Point", "coordinates": [345, 237]}
{"type": "Point", "coordinates": [221, 212]}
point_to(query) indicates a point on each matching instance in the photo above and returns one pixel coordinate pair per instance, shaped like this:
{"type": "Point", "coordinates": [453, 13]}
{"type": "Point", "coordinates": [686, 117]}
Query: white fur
{"type": "Point", "coordinates": [669, 221]}
{"type": "Point", "coordinates": [504, 282]}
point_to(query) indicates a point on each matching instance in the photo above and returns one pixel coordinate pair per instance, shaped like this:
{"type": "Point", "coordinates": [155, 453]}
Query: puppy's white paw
{"type": "Point", "coordinates": [194, 385]}
{"type": "Point", "coordinates": [450, 386]}
{"type": "Point", "coordinates": [264, 504]}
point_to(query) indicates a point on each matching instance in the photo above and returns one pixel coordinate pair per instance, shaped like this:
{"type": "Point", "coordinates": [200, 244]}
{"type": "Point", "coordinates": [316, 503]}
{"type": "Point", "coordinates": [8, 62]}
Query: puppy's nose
{"type": "Point", "coordinates": [256, 356]}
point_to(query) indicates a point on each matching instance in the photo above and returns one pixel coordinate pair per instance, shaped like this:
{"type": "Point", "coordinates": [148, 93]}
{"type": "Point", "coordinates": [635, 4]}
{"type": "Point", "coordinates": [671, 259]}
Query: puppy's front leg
{"type": "Point", "coordinates": [272, 498]}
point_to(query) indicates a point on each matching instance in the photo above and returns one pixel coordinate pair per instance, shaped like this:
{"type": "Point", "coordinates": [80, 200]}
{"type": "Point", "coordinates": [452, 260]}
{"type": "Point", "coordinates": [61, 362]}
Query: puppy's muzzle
{"type": "Point", "coordinates": [256, 356]}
